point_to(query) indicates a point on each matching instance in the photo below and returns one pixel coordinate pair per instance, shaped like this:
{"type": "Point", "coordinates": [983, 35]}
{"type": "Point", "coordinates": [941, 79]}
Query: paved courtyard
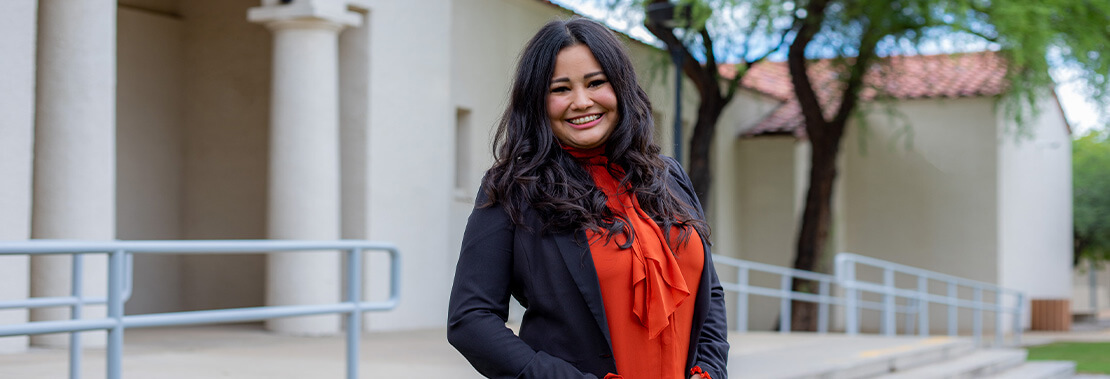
{"type": "Point", "coordinates": [246, 351]}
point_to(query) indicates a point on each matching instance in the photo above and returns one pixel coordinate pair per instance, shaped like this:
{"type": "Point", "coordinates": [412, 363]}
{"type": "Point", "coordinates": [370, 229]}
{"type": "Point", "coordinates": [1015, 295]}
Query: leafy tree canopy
{"type": "Point", "coordinates": [1091, 189]}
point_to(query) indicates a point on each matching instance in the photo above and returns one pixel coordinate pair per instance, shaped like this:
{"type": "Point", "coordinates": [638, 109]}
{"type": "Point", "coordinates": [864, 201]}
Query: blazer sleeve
{"type": "Point", "coordinates": [479, 304]}
{"type": "Point", "coordinates": [712, 349]}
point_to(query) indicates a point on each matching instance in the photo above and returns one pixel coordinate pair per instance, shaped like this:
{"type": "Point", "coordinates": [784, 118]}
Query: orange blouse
{"type": "Point", "coordinates": [647, 291]}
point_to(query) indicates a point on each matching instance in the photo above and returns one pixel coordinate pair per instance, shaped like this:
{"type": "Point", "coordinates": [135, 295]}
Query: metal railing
{"type": "Point", "coordinates": [921, 296]}
{"type": "Point", "coordinates": [825, 297]}
{"type": "Point", "coordinates": [743, 288]}
{"type": "Point", "coordinates": [119, 253]}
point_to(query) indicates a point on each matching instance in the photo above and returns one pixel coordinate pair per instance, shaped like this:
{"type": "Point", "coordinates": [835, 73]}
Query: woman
{"type": "Point", "coordinates": [599, 237]}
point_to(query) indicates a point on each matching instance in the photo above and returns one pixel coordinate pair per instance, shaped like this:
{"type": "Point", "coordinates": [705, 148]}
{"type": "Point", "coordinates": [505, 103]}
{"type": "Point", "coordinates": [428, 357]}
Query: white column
{"type": "Point", "coordinates": [304, 155]}
{"type": "Point", "coordinates": [17, 123]}
{"type": "Point", "coordinates": [74, 167]}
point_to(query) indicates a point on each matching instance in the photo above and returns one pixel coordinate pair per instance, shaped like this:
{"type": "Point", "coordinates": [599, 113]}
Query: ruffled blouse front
{"type": "Point", "coordinates": [647, 289]}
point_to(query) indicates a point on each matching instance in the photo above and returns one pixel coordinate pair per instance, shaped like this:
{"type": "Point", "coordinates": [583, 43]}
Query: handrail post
{"type": "Point", "coordinates": [953, 300]}
{"type": "Point", "coordinates": [354, 318]}
{"type": "Point", "coordinates": [128, 277]}
{"type": "Point", "coordinates": [116, 262]}
{"type": "Point", "coordinates": [911, 315]}
{"type": "Point", "coordinates": [742, 300]}
{"type": "Point", "coordinates": [888, 302]}
{"type": "Point", "coordinates": [1018, 308]}
{"type": "Point", "coordinates": [923, 306]}
{"type": "Point", "coordinates": [784, 305]}
{"type": "Point", "coordinates": [395, 276]}
{"type": "Point", "coordinates": [977, 323]}
{"type": "Point", "coordinates": [851, 308]}
{"type": "Point", "coordinates": [77, 278]}
{"type": "Point", "coordinates": [999, 312]}
{"type": "Point", "coordinates": [823, 308]}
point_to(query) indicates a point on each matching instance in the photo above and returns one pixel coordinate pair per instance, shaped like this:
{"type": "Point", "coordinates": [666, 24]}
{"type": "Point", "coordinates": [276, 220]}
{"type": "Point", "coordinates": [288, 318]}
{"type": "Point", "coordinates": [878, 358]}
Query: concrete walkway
{"type": "Point", "coordinates": [245, 351]}
{"type": "Point", "coordinates": [1094, 331]}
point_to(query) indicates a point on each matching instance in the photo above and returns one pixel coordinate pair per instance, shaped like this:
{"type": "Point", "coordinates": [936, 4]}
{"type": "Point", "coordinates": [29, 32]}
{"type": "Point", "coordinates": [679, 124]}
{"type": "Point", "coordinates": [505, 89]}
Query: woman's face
{"type": "Point", "coordinates": [581, 102]}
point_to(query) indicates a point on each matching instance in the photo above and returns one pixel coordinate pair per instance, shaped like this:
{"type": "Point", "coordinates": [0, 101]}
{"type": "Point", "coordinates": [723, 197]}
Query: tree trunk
{"type": "Point", "coordinates": [816, 221]}
{"type": "Point", "coordinates": [709, 111]}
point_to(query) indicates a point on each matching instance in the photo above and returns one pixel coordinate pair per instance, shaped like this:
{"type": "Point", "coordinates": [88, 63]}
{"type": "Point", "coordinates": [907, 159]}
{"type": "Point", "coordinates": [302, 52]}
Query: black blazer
{"type": "Point", "coordinates": [564, 333]}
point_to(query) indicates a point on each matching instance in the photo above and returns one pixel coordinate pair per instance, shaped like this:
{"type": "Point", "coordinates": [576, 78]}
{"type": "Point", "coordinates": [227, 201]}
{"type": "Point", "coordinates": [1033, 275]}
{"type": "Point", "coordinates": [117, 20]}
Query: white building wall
{"type": "Point", "coordinates": [17, 113]}
{"type": "Point", "coordinates": [410, 155]}
{"type": "Point", "coordinates": [149, 151]}
{"type": "Point", "coordinates": [1035, 205]}
{"type": "Point", "coordinates": [486, 39]}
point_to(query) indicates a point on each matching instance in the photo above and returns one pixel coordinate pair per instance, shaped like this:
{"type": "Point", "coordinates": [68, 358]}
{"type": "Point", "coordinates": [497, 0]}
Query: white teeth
{"type": "Point", "coordinates": [584, 119]}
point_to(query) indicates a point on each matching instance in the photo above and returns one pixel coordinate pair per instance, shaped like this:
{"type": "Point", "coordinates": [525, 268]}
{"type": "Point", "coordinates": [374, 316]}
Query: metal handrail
{"type": "Point", "coordinates": [784, 292]}
{"type": "Point", "coordinates": [921, 296]}
{"type": "Point", "coordinates": [118, 286]}
{"type": "Point", "coordinates": [825, 296]}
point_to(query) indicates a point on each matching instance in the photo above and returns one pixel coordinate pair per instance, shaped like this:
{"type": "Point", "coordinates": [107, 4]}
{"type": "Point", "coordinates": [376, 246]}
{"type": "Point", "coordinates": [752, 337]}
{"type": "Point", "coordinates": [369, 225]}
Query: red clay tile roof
{"type": "Point", "coordinates": [898, 77]}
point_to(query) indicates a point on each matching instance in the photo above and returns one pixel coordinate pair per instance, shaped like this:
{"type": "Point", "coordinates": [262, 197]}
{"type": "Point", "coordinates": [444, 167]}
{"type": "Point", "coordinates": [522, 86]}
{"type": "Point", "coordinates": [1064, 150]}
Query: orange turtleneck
{"type": "Point", "coordinates": [648, 289]}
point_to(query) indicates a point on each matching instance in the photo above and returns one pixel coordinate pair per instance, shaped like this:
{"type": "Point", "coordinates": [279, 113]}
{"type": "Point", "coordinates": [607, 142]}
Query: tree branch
{"type": "Point", "coordinates": [734, 83]}
{"type": "Point", "coordinates": [858, 73]}
{"type": "Point", "coordinates": [799, 76]}
{"type": "Point", "coordinates": [690, 66]}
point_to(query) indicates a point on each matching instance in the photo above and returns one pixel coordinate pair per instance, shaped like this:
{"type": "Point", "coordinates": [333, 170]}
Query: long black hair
{"type": "Point", "coordinates": [531, 170]}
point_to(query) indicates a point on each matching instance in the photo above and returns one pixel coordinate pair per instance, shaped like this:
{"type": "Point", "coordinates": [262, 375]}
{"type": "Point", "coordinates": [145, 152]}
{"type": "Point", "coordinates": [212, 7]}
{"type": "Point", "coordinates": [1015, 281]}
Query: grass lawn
{"type": "Point", "coordinates": [1090, 358]}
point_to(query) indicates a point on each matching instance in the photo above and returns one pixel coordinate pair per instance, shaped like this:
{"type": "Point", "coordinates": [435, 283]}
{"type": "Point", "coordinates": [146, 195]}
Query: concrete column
{"type": "Point", "coordinates": [17, 124]}
{"type": "Point", "coordinates": [74, 166]}
{"type": "Point", "coordinates": [304, 155]}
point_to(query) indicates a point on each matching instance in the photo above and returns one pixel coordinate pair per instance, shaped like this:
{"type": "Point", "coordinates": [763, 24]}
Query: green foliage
{"type": "Point", "coordinates": [1090, 358]}
{"type": "Point", "coordinates": [1091, 196]}
{"type": "Point", "coordinates": [732, 30]}
{"type": "Point", "coordinates": [1073, 34]}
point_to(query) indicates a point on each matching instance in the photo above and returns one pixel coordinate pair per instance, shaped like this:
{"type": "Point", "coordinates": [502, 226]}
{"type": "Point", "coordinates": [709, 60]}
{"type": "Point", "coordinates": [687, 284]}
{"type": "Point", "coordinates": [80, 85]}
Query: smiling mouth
{"type": "Point", "coordinates": [584, 119]}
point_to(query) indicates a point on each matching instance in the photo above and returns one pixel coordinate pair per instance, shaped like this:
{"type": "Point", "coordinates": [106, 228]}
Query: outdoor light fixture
{"type": "Point", "coordinates": [663, 14]}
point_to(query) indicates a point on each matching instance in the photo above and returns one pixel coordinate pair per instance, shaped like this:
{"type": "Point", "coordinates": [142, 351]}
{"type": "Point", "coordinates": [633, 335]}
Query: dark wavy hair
{"type": "Point", "coordinates": [531, 169]}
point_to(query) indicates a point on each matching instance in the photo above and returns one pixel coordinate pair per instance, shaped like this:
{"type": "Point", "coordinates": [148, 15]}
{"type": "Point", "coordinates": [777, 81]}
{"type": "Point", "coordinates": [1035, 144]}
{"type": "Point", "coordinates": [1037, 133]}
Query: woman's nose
{"type": "Point", "coordinates": [581, 100]}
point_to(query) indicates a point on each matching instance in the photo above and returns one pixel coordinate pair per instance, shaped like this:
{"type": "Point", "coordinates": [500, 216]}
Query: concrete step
{"type": "Point", "coordinates": [1040, 370]}
{"type": "Point", "coordinates": [978, 364]}
{"type": "Point", "coordinates": [837, 356]}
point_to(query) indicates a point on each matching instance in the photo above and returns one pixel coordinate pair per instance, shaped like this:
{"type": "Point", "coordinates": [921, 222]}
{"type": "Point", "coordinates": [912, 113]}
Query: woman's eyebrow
{"type": "Point", "coordinates": [587, 76]}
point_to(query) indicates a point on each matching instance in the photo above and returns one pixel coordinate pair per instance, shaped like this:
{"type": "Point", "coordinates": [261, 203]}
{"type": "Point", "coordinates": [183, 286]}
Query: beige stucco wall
{"type": "Point", "coordinates": [920, 189]}
{"type": "Point", "coordinates": [765, 217]}
{"type": "Point", "coordinates": [1035, 205]}
{"type": "Point", "coordinates": [735, 163]}
{"type": "Point", "coordinates": [931, 204]}
{"type": "Point", "coordinates": [17, 112]}
{"type": "Point", "coordinates": [149, 151]}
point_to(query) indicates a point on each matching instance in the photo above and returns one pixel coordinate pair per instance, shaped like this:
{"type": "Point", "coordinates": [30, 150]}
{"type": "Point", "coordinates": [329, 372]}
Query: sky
{"type": "Point", "coordinates": [1079, 109]}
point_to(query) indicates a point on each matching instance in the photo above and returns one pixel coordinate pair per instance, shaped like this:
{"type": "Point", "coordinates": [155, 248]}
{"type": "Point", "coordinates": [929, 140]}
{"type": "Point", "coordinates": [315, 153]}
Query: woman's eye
{"type": "Point", "coordinates": [559, 89]}
{"type": "Point", "coordinates": [598, 82]}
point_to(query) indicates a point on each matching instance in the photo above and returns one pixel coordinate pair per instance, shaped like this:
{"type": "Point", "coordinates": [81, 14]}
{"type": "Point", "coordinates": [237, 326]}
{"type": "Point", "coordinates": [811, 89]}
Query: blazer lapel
{"type": "Point", "coordinates": [581, 267]}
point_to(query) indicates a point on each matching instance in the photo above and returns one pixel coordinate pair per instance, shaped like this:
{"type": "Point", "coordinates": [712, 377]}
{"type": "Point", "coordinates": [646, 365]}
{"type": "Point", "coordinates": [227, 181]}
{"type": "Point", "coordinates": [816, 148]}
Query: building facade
{"type": "Point", "coordinates": [372, 119]}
